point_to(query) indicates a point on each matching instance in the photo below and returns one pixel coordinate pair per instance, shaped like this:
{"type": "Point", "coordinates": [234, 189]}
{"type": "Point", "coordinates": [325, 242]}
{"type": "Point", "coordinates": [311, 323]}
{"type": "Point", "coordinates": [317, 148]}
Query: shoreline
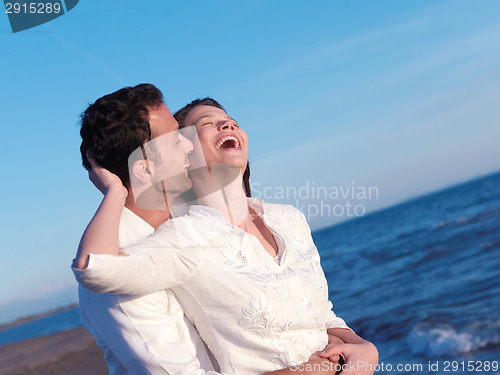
{"type": "Point", "coordinates": [33, 317]}
{"type": "Point", "coordinates": [68, 352]}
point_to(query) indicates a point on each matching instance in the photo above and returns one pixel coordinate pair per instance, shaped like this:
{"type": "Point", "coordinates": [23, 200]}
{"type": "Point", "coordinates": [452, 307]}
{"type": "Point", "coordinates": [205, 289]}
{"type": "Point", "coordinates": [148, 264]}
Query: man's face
{"type": "Point", "coordinates": [168, 152]}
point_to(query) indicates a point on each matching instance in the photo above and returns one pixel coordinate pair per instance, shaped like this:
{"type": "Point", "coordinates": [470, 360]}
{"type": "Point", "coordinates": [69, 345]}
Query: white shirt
{"type": "Point", "coordinates": [254, 314]}
{"type": "Point", "coordinates": [143, 335]}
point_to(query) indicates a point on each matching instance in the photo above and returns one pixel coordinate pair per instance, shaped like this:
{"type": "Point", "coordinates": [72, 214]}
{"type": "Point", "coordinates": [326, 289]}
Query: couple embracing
{"type": "Point", "coordinates": [180, 270]}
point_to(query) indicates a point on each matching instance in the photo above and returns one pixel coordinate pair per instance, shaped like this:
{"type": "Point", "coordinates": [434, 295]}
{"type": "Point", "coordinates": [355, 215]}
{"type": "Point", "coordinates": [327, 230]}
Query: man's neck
{"type": "Point", "coordinates": [153, 217]}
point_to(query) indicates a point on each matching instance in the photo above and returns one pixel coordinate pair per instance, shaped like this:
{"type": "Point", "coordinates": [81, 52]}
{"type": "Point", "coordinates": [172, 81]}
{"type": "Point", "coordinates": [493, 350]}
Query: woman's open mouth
{"type": "Point", "coordinates": [228, 142]}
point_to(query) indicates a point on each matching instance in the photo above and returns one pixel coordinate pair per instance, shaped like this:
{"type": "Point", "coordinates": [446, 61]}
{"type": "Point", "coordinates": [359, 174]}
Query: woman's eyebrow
{"type": "Point", "coordinates": [212, 116]}
{"type": "Point", "coordinates": [201, 118]}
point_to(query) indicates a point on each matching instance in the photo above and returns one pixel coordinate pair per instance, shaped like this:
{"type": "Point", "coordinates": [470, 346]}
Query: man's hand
{"type": "Point", "coordinates": [360, 358]}
{"type": "Point", "coordinates": [320, 356]}
{"type": "Point", "coordinates": [330, 365]}
{"type": "Point", "coordinates": [103, 179]}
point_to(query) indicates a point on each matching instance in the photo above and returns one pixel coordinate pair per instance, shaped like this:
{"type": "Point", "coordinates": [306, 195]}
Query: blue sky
{"type": "Point", "coordinates": [395, 95]}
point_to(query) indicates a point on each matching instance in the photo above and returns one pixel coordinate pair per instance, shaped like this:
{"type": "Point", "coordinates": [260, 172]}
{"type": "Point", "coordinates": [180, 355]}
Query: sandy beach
{"type": "Point", "coordinates": [72, 352]}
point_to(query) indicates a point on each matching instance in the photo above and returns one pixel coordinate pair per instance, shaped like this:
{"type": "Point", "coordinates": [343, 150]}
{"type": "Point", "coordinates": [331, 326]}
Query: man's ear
{"type": "Point", "coordinates": [141, 169]}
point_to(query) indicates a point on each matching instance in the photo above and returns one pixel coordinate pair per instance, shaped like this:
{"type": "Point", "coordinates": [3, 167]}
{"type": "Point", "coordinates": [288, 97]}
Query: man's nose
{"type": "Point", "coordinates": [188, 145]}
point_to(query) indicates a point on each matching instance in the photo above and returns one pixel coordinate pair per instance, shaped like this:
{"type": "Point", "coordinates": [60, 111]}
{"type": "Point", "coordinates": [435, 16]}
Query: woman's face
{"type": "Point", "coordinates": [220, 138]}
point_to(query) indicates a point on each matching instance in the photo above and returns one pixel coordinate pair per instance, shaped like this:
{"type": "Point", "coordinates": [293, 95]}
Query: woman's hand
{"type": "Point", "coordinates": [318, 365]}
{"type": "Point", "coordinates": [104, 180]}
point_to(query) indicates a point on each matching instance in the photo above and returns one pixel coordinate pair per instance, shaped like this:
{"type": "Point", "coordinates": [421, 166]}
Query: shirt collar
{"type": "Point", "coordinates": [132, 228]}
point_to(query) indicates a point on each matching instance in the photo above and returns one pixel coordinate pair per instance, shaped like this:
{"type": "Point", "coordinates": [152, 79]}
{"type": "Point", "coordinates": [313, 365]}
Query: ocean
{"type": "Point", "coordinates": [421, 280]}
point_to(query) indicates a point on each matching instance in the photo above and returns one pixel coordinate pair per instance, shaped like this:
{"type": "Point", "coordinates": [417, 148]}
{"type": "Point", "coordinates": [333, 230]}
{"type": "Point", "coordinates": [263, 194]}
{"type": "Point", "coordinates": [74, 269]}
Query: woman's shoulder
{"type": "Point", "coordinates": [287, 211]}
{"type": "Point", "coordinates": [288, 219]}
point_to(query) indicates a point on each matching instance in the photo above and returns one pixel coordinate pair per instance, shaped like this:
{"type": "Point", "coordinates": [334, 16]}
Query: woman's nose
{"type": "Point", "coordinates": [226, 125]}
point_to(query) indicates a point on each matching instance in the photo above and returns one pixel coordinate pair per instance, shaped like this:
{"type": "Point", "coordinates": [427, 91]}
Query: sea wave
{"type": "Point", "coordinates": [442, 339]}
{"type": "Point", "coordinates": [463, 220]}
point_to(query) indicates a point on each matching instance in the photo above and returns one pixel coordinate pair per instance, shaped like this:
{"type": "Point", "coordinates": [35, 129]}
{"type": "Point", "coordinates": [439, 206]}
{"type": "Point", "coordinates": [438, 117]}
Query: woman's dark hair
{"type": "Point", "coordinates": [117, 124]}
{"type": "Point", "coordinates": [180, 116]}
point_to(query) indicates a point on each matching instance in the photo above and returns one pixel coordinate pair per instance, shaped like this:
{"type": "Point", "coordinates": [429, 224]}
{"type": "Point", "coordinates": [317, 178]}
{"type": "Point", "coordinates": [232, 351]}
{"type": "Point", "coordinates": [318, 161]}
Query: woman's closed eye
{"type": "Point", "coordinates": [205, 124]}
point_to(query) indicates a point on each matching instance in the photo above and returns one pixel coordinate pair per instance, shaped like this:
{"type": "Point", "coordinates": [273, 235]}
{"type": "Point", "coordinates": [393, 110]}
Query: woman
{"type": "Point", "coordinates": [247, 273]}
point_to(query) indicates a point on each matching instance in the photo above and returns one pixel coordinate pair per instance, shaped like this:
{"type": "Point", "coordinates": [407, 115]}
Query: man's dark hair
{"type": "Point", "coordinates": [117, 124]}
{"type": "Point", "coordinates": [181, 114]}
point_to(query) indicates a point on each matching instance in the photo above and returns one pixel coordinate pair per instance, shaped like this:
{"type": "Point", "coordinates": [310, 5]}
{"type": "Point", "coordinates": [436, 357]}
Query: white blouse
{"type": "Point", "coordinates": [254, 314]}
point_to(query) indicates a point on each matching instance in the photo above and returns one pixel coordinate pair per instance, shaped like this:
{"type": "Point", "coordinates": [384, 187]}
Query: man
{"type": "Point", "coordinates": [149, 334]}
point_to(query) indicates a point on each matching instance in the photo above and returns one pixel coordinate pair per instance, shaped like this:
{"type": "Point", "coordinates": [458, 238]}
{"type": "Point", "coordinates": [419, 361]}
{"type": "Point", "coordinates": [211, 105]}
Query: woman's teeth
{"type": "Point", "coordinates": [228, 138]}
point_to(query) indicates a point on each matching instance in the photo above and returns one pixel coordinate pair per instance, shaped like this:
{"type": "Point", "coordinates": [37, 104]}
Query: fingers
{"type": "Point", "coordinates": [326, 354]}
{"type": "Point", "coordinates": [332, 349]}
{"type": "Point", "coordinates": [334, 358]}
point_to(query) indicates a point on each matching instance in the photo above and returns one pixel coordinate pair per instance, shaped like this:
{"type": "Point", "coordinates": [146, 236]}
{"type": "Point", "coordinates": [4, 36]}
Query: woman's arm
{"type": "Point", "coordinates": [155, 262]}
{"type": "Point", "coordinates": [101, 235]}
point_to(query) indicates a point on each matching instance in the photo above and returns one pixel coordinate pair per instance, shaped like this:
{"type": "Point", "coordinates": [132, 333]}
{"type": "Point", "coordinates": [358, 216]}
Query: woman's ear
{"type": "Point", "coordinates": [141, 170]}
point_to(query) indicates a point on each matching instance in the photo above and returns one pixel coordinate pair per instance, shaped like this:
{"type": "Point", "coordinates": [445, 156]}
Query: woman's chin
{"type": "Point", "coordinates": [236, 161]}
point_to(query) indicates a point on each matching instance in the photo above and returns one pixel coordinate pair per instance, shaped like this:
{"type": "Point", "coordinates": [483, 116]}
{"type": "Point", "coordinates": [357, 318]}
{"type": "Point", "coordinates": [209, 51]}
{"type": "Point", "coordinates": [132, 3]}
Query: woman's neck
{"type": "Point", "coordinates": [221, 188]}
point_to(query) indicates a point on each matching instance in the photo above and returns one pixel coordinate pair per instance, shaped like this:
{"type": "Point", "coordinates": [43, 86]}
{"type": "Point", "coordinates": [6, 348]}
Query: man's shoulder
{"type": "Point", "coordinates": [132, 228]}
{"type": "Point", "coordinates": [190, 231]}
